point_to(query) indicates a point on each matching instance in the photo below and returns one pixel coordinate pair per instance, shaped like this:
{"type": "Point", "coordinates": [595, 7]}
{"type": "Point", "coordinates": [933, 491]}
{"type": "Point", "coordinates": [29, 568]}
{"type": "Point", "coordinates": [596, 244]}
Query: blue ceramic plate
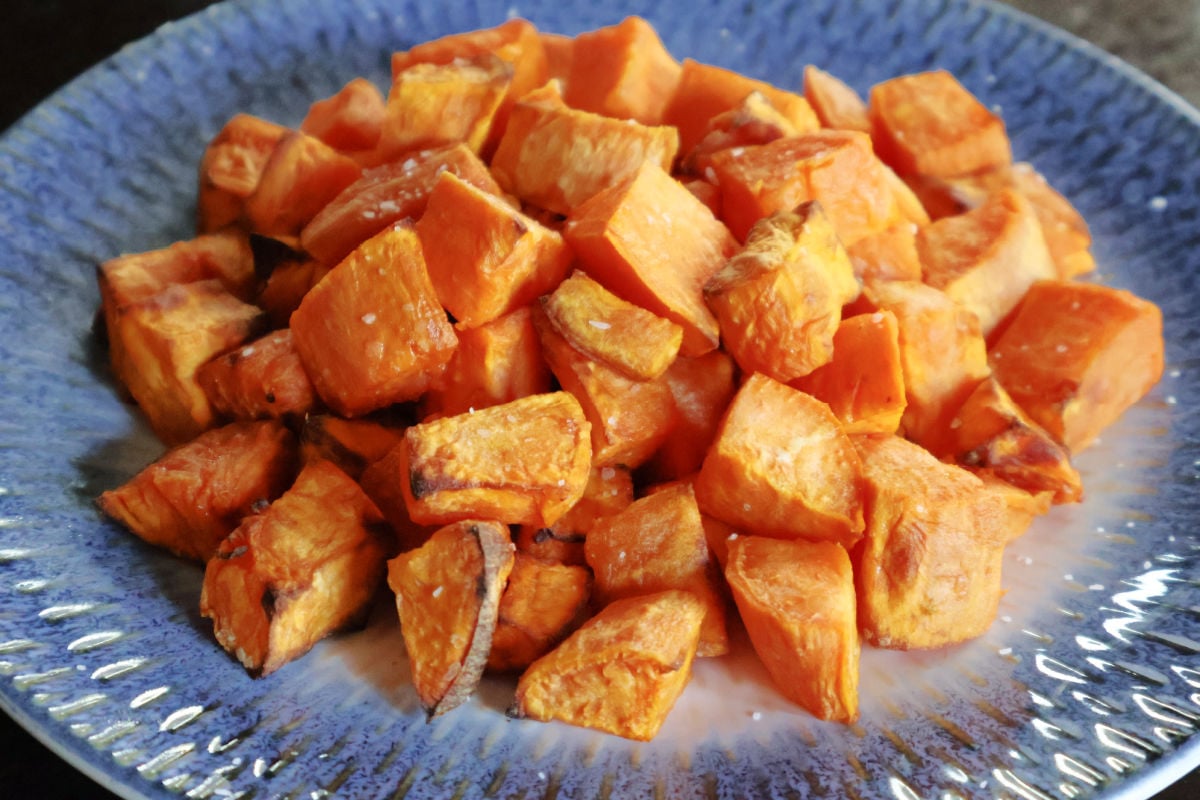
{"type": "Point", "coordinates": [1089, 682]}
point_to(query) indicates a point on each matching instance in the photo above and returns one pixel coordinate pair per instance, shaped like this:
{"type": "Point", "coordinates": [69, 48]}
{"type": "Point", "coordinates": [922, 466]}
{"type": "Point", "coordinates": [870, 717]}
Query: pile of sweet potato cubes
{"type": "Point", "coordinates": [576, 343]}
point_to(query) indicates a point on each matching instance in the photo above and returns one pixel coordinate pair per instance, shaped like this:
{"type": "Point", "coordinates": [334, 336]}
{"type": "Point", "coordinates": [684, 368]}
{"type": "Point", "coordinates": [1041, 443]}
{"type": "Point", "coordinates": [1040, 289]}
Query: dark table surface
{"type": "Point", "coordinates": [45, 43]}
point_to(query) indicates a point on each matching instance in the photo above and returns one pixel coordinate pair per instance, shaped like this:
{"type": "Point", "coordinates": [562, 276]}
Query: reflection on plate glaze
{"type": "Point", "coordinates": [1089, 680]}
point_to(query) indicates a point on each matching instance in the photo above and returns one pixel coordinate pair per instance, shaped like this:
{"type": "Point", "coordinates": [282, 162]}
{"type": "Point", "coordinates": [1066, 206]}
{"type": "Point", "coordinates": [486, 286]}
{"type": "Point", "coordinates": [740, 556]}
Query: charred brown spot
{"type": "Point", "coordinates": [268, 602]}
{"type": "Point", "coordinates": [544, 534]}
{"type": "Point", "coordinates": [270, 397]}
{"type": "Point", "coordinates": [260, 505]}
{"type": "Point", "coordinates": [418, 485]}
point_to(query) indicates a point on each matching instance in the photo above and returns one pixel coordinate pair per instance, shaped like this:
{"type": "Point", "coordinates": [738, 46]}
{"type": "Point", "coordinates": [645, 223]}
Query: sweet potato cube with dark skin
{"type": "Point", "coordinates": [602, 326]}
{"type": "Point", "coordinates": [781, 466]}
{"type": "Point", "coordinates": [231, 167]}
{"type": "Point", "coordinates": [1076, 356]}
{"type": "Point", "coordinates": [166, 338]}
{"type": "Point", "coordinates": [864, 382]}
{"type": "Point", "coordinates": [448, 599]}
{"type": "Point", "coordinates": [889, 255]}
{"type": "Point", "coordinates": [608, 491]}
{"type": "Point", "coordinates": [301, 176]}
{"type": "Point", "coordinates": [835, 104]}
{"type": "Point", "coordinates": [523, 462]}
{"type": "Point", "coordinates": [928, 123]}
{"type": "Point", "coordinates": [263, 379]}
{"type": "Point", "coordinates": [755, 121]}
{"type": "Point", "coordinates": [387, 194]}
{"type": "Point", "coordinates": [542, 603]}
{"type": "Point", "coordinates": [658, 543]}
{"type": "Point", "coordinates": [622, 71]}
{"type": "Point", "coordinates": [629, 418]}
{"type": "Point", "coordinates": [372, 333]}
{"type": "Point", "coordinates": [622, 671]}
{"type": "Point", "coordinates": [538, 158]}
{"type": "Point", "coordinates": [195, 494]}
{"type": "Point", "coordinates": [797, 601]}
{"type": "Point", "coordinates": [649, 240]}
{"type": "Point", "coordinates": [351, 444]}
{"type": "Point", "coordinates": [485, 257]}
{"type": "Point", "coordinates": [495, 363]}
{"type": "Point", "coordinates": [702, 388]}
{"type": "Point", "coordinates": [780, 299]}
{"type": "Point", "coordinates": [306, 567]}
{"type": "Point", "coordinates": [350, 120]}
{"type": "Point", "coordinates": [929, 569]}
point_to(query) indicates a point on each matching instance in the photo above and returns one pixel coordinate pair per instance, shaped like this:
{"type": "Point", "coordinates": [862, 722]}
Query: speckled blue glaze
{"type": "Point", "coordinates": [1089, 684]}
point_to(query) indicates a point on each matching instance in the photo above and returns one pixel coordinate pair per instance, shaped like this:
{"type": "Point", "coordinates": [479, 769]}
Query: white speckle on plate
{"type": "Point", "coordinates": [1157, 203]}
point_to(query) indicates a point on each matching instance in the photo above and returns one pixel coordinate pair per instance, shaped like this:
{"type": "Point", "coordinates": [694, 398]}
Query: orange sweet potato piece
{"type": "Point", "coordinates": [704, 91]}
{"type": "Point", "coordinates": [350, 120]}
{"type": "Point", "coordinates": [929, 124]}
{"type": "Point", "coordinates": [541, 604]}
{"type": "Point", "coordinates": [656, 543]}
{"type": "Point", "coordinates": [231, 167]}
{"type": "Point", "coordinates": [301, 176]}
{"type": "Point", "coordinates": [1022, 507]}
{"type": "Point", "coordinates": [797, 601]}
{"type": "Point", "coordinates": [1076, 356]}
{"type": "Point", "coordinates": [622, 71]}
{"type": "Point", "coordinates": [608, 490]}
{"type": "Point", "coordinates": [864, 383]}
{"type": "Point", "coordinates": [702, 388]}
{"type": "Point", "coordinates": [307, 566]}
{"type": "Point", "coordinates": [754, 121]}
{"type": "Point", "coordinates": [448, 599]}
{"type": "Point", "coordinates": [372, 333]}
{"type": "Point", "coordinates": [286, 286]}
{"type": "Point", "coordinates": [991, 433]}
{"type": "Point", "coordinates": [387, 194]}
{"type": "Point", "coordinates": [985, 259]}
{"type": "Point", "coordinates": [888, 255]}
{"type": "Point", "coordinates": [351, 444]}
{"type": "Point", "coordinates": [602, 326]}
{"type": "Point", "coordinates": [260, 380]}
{"type": "Point", "coordinates": [195, 494]}
{"type": "Point", "coordinates": [622, 671]}
{"type": "Point", "coordinates": [835, 104]}
{"type": "Point", "coordinates": [929, 571]}
{"type": "Point", "coordinates": [557, 157]}
{"type": "Point", "coordinates": [649, 240]}
{"type": "Point", "coordinates": [560, 52]}
{"type": "Point", "coordinates": [781, 466]}
{"type": "Point", "coordinates": [381, 478]}
{"type": "Point", "coordinates": [707, 193]}
{"type": "Point", "coordinates": [496, 362]}
{"type": "Point", "coordinates": [485, 257]}
{"type": "Point", "coordinates": [838, 168]}
{"type": "Point", "coordinates": [780, 299]}
{"type": "Point", "coordinates": [523, 462]}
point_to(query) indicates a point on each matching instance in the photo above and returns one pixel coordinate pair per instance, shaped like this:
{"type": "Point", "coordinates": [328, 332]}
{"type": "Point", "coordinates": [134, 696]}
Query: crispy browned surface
{"type": "Point", "coordinates": [608, 490]}
{"type": "Point", "coordinates": [352, 444]}
{"type": "Point", "coordinates": [286, 578]}
{"type": "Point", "coordinates": [755, 121]}
{"type": "Point", "coordinates": [448, 599]}
{"type": "Point", "coordinates": [541, 604]}
{"type": "Point", "coordinates": [622, 671]}
{"type": "Point", "coordinates": [263, 379]}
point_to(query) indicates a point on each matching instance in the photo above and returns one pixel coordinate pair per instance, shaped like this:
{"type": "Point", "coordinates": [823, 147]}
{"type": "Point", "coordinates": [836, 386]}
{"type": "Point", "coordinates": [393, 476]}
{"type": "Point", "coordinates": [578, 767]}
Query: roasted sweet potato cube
{"type": "Point", "coordinates": [835, 104]}
{"type": "Point", "coordinates": [351, 444]}
{"type": "Point", "coordinates": [704, 91]}
{"type": "Point", "coordinates": [381, 478]}
{"type": "Point", "coordinates": [781, 466]}
{"type": "Point", "coordinates": [430, 105]}
{"type": "Point", "coordinates": [485, 257]}
{"type": "Point", "coordinates": [349, 120]}
{"type": "Point", "coordinates": [309, 565]}
{"type": "Point", "coordinates": [622, 671]}
{"type": "Point", "coordinates": [1022, 507]}
{"type": "Point", "coordinates": [780, 299]}
{"type": "Point", "coordinates": [260, 380]}
{"type": "Point", "coordinates": [838, 168]}
{"type": "Point", "coordinates": [231, 168]}
{"type": "Point", "coordinates": [542, 603]}
{"type": "Point", "coordinates": [301, 176]}
{"type": "Point", "coordinates": [888, 255]}
{"type": "Point", "coordinates": [524, 462]}
{"type": "Point", "coordinates": [992, 433]}
{"type": "Point", "coordinates": [1076, 356]}
{"type": "Point", "coordinates": [707, 193]}
{"type": "Point", "coordinates": [629, 418]}
{"type": "Point", "coordinates": [929, 570]}
{"type": "Point", "coordinates": [649, 240]}
{"type": "Point", "coordinates": [754, 121]}
{"type": "Point", "coordinates": [622, 71]}
{"type": "Point", "coordinates": [702, 388]}
{"type": "Point", "coordinates": [387, 194]}
{"type": "Point", "coordinates": [196, 493]}
{"type": "Point", "coordinates": [864, 383]}
{"type": "Point", "coordinates": [372, 333]}
{"type": "Point", "coordinates": [286, 286]}
{"type": "Point", "coordinates": [448, 599]}
{"type": "Point", "coordinates": [928, 123]}
{"type": "Point", "coordinates": [496, 362]}
{"type": "Point", "coordinates": [608, 491]}
{"type": "Point", "coordinates": [166, 338]}
{"type": "Point", "coordinates": [602, 326]}
{"type": "Point", "coordinates": [658, 543]}
{"type": "Point", "coordinates": [560, 52]}
{"type": "Point", "coordinates": [797, 601]}
{"type": "Point", "coordinates": [985, 259]}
